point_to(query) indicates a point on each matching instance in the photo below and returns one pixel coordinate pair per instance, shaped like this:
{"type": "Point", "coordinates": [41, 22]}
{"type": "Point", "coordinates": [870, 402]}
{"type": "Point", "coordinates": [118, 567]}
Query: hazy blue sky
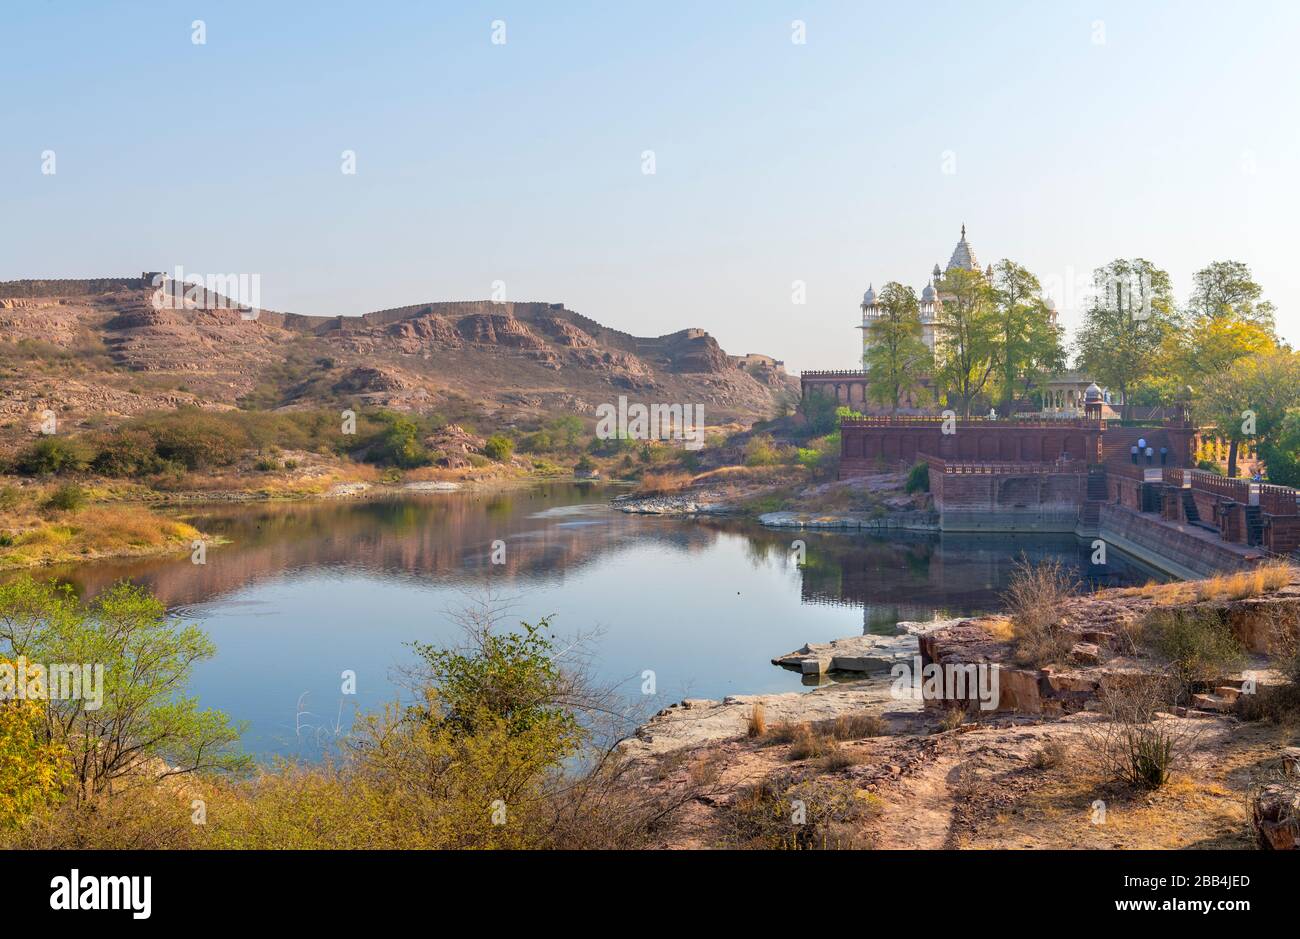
{"type": "Point", "coordinates": [1080, 132]}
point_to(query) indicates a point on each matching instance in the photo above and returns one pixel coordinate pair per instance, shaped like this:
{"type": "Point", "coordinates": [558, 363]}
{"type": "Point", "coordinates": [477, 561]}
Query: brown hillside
{"type": "Point", "coordinates": [102, 349]}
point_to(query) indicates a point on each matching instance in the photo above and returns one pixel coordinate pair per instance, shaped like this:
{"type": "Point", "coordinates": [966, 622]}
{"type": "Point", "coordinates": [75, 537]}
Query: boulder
{"type": "Point", "coordinates": [1275, 816]}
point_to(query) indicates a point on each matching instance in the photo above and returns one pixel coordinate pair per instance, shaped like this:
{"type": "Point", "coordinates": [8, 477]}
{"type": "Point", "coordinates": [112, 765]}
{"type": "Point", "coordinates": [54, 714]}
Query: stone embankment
{"type": "Point", "coordinates": [899, 521]}
{"type": "Point", "coordinates": [865, 655]}
{"type": "Point", "coordinates": [677, 505]}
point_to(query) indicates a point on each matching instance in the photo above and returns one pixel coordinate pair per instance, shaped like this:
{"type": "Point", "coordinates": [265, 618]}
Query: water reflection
{"type": "Point", "coordinates": [303, 591]}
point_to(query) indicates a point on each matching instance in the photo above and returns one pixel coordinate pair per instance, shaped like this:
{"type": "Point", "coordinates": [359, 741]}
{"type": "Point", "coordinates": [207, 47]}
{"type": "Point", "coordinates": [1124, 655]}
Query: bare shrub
{"type": "Point", "coordinates": [1050, 755]}
{"type": "Point", "coordinates": [1034, 598]}
{"type": "Point", "coordinates": [1132, 741]}
{"type": "Point", "coordinates": [807, 743]}
{"type": "Point", "coordinates": [818, 814]}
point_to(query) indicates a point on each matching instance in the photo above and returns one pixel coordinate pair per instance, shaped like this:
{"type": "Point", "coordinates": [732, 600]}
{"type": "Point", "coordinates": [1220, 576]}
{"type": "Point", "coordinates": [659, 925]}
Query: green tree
{"type": "Point", "coordinates": [1131, 313]}
{"type": "Point", "coordinates": [1249, 401]}
{"type": "Point", "coordinates": [966, 335]}
{"type": "Point", "coordinates": [896, 358]}
{"type": "Point", "coordinates": [1028, 342]}
{"type": "Point", "coordinates": [1282, 455]}
{"type": "Point", "coordinates": [1224, 321]}
{"type": "Point", "coordinates": [144, 726]}
{"type": "Point", "coordinates": [819, 410]}
{"type": "Point", "coordinates": [1225, 290]}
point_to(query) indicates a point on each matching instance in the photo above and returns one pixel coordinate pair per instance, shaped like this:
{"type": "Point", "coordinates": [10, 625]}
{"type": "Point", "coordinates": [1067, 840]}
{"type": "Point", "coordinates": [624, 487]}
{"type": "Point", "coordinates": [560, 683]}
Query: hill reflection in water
{"type": "Point", "coordinates": [304, 591]}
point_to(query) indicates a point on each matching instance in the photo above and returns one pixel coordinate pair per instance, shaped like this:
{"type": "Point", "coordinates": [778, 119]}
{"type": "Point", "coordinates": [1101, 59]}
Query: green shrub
{"type": "Point", "coordinates": [499, 448]}
{"type": "Point", "coordinates": [399, 443]}
{"type": "Point", "coordinates": [68, 498]}
{"type": "Point", "coordinates": [10, 498]}
{"type": "Point", "coordinates": [52, 455]}
{"type": "Point", "coordinates": [761, 451]}
{"type": "Point", "coordinates": [918, 477]}
{"type": "Point", "coordinates": [125, 453]}
{"type": "Point", "coordinates": [1198, 644]}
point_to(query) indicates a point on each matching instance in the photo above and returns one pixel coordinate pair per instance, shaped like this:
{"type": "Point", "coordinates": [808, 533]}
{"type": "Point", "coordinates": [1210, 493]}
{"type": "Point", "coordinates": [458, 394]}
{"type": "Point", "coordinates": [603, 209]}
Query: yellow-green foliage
{"type": "Point", "coordinates": [94, 531]}
{"type": "Point", "coordinates": [408, 783]}
{"type": "Point", "coordinates": [33, 770]}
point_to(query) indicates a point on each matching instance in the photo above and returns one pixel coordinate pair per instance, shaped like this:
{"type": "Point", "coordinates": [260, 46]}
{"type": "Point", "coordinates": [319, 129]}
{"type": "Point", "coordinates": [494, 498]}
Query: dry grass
{"type": "Point", "coordinates": [952, 719]}
{"type": "Point", "coordinates": [748, 474]}
{"type": "Point", "coordinates": [1034, 598]}
{"type": "Point", "coordinates": [1050, 755]}
{"type": "Point", "coordinates": [818, 814]}
{"type": "Point", "coordinates": [658, 484]}
{"type": "Point", "coordinates": [757, 721]}
{"type": "Point", "coordinates": [1244, 584]}
{"type": "Point", "coordinates": [852, 727]}
{"type": "Point", "coordinates": [807, 743]}
{"type": "Point", "coordinates": [779, 734]}
{"type": "Point", "coordinates": [97, 531]}
{"type": "Point", "coordinates": [837, 758]}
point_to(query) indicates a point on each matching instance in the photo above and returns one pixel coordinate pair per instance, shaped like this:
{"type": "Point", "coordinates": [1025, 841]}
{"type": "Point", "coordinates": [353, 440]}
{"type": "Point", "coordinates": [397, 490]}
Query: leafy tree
{"type": "Point", "coordinates": [1225, 290]}
{"type": "Point", "coordinates": [1224, 321]}
{"type": "Point", "coordinates": [1132, 311]}
{"type": "Point", "coordinates": [1250, 400]}
{"type": "Point", "coordinates": [145, 726]}
{"type": "Point", "coordinates": [1029, 344]}
{"type": "Point", "coordinates": [819, 410]}
{"type": "Point", "coordinates": [1282, 455]}
{"type": "Point", "coordinates": [897, 357]}
{"type": "Point", "coordinates": [399, 444]}
{"type": "Point", "coordinates": [966, 335]}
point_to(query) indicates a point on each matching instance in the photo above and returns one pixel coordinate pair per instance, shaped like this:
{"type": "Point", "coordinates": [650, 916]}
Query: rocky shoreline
{"type": "Point", "coordinates": [1024, 774]}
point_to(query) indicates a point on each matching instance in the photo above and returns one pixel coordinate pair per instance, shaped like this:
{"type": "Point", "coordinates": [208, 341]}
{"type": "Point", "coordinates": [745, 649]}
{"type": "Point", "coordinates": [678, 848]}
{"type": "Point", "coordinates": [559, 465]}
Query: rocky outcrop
{"type": "Point", "coordinates": [367, 379]}
{"type": "Point", "coordinates": [700, 721]}
{"type": "Point", "coordinates": [866, 654]}
{"type": "Point", "coordinates": [1275, 807]}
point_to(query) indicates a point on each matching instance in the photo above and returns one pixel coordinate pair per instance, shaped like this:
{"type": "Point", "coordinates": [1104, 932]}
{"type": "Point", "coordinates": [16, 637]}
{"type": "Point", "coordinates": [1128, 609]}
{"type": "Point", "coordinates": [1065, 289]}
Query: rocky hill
{"type": "Point", "coordinates": [106, 348]}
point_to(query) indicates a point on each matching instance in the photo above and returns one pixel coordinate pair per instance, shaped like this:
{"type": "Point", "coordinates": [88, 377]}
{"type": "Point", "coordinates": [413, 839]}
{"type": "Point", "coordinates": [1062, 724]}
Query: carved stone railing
{"type": "Point", "coordinates": [1002, 468]}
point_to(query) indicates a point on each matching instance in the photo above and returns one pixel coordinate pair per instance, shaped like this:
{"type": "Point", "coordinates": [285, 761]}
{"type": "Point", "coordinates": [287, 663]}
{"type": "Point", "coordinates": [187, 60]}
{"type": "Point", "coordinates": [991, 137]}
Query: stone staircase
{"type": "Point", "coordinates": [1254, 525]}
{"type": "Point", "coordinates": [1094, 498]}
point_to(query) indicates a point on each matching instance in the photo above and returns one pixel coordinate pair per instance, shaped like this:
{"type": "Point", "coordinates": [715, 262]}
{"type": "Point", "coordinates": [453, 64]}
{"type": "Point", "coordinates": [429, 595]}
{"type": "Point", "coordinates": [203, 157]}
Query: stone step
{"type": "Point", "coordinates": [1212, 702]}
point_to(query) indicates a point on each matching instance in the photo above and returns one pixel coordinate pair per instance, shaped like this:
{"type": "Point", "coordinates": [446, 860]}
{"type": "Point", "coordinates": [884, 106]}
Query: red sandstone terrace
{"type": "Point", "coordinates": [1131, 486]}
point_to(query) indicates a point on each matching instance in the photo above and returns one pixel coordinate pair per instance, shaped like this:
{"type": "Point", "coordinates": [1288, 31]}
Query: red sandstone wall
{"type": "Point", "coordinates": [864, 447]}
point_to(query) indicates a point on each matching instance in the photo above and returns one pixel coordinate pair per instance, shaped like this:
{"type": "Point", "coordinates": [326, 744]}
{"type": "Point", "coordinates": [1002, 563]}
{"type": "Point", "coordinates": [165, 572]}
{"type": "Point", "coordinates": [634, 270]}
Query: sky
{"type": "Point", "coordinates": [1061, 134]}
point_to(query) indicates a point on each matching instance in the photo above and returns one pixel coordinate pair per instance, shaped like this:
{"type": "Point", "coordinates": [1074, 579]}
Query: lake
{"type": "Point", "coordinates": [306, 591]}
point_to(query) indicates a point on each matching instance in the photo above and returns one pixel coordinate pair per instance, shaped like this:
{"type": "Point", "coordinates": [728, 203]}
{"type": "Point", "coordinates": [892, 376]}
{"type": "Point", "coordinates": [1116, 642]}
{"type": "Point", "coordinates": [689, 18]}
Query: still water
{"type": "Point", "coordinates": [306, 591]}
